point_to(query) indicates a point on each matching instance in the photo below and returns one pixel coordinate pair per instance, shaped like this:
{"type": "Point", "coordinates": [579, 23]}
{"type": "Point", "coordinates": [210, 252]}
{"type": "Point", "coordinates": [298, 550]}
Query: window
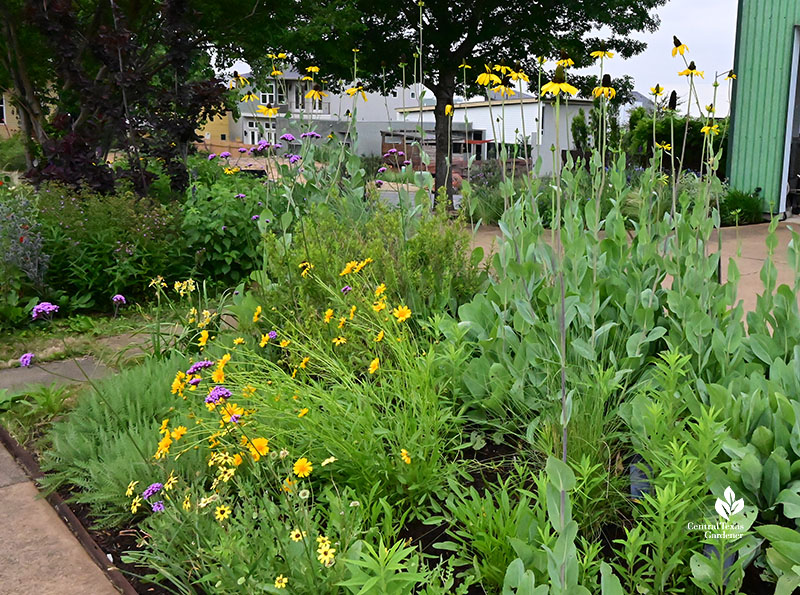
{"type": "Point", "coordinates": [223, 136]}
{"type": "Point", "coordinates": [251, 124]}
{"type": "Point", "coordinates": [265, 98]}
{"type": "Point", "coordinates": [270, 96]}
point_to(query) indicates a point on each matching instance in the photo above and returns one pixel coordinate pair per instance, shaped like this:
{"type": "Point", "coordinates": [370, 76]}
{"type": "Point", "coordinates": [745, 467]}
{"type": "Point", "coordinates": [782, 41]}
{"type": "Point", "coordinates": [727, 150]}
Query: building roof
{"type": "Point", "coordinates": [495, 102]}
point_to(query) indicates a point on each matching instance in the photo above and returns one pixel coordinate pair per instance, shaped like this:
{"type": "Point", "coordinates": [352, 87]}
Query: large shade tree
{"type": "Point", "coordinates": [446, 34]}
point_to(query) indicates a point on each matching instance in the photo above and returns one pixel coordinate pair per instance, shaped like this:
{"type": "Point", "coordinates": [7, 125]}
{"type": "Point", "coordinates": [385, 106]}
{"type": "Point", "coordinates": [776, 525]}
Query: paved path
{"type": "Point", "coordinates": [38, 553]}
{"type": "Point", "coordinates": [63, 372]}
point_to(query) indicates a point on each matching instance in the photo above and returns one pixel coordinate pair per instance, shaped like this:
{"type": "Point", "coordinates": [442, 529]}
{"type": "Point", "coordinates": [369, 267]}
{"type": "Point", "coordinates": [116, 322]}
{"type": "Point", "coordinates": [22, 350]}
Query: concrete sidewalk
{"type": "Point", "coordinates": [38, 553]}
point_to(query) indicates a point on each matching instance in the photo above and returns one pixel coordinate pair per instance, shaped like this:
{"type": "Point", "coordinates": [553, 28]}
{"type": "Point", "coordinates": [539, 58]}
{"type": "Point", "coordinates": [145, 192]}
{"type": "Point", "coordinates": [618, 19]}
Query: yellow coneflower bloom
{"type": "Point", "coordinates": [317, 93]}
{"type": "Point", "coordinates": [131, 487]}
{"type": "Point", "coordinates": [305, 268]}
{"type": "Point", "coordinates": [297, 535]}
{"type": "Point", "coordinates": [448, 110]}
{"type": "Point", "coordinates": [379, 337]}
{"type": "Point", "coordinates": [201, 342]}
{"type": "Point", "coordinates": [342, 320]}
{"type": "Point", "coordinates": [281, 56]}
{"type": "Point", "coordinates": [402, 313]}
{"type": "Point", "coordinates": [267, 110]}
{"type": "Point", "coordinates": [605, 89]}
{"type": "Point", "coordinates": [222, 512]}
{"type": "Point", "coordinates": [680, 48]}
{"type": "Point", "coordinates": [658, 90]}
{"type": "Point", "coordinates": [302, 467]}
{"type": "Point", "coordinates": [264, 340]}
{"type": "Point", "coordinates": [307, 78]}
{"type": "Point", "coordinates": [379, 305]}
{"type": "Point", "coordinates": [504, 90]}
{"type": "Point", "coordinates": [664, 146]}
{"type": "Point", "coordinates": [374, 365]}
{"type": "Point", "coordinates": [502, 69]}
{"type": "Point", "coordinates": [565, 61]}
{"type": "Point", "coordinates": [238, 80]}
{"type": "Point", "coordinates": [731, 76]}
{"type": "Point", "coordinates": [304, 362]}
{"type": "Point", "coordinates": [559, 84]}
{"type": "Point", "coordinates": [136, 503]}
{"type": "Point", "coordinates": [352, 91]}
{"type": "Point", "coordinates": [248, 97]}
{"type": "Point", "coordinates": [380, 289]}
{"type": "Point", "coordinates": [238, 341]}
{"type": "Point", "coordinates": [602, 54]}
{"type": "Point", "coordinates": [518, 75]}
{"type": "Point", "coordinates": [303, 412]}
{"type": "Point", "coordinates": [312, 69]}
{"type": "Point", "coordinates": [692, 70]}
{"type": "Point", "coordinates": [285, 343]}
{"type": "Point", "coordinates": [281, 582]}
{"type": "Point", "coordinates": [541, 60]}
{"type": "Point", "coordinates": [328, 315]}
{"type": "Point", "coordinates": [488, 78]}
{"type": "Point", "coordinates": [714, 129]}
{"type": "Point", "coordinates": [276, 72]}
{"type": "Point", "coordinates": [464, 64]}
{"type": "Point", "coordinates": [405, 456]}
{"type": "Point", "coordinates": [257, 314]}
{"type": "Point", "coordinates": [339, 340]}
{"type": "Point", "coordinates": [710, 108]}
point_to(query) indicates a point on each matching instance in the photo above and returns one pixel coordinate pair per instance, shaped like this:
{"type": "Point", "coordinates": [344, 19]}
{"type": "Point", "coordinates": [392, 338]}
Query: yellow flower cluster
{"type": "Point", "coordinates": [355, 266]}
{"type": "Point", "coordinates": [325, 553]}
{"type": "Point", "coordinates": [185, 287]}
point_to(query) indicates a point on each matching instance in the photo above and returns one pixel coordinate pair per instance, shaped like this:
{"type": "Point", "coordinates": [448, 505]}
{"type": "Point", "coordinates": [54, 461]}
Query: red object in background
{"type": "Point", "coordinates": [21, 239]}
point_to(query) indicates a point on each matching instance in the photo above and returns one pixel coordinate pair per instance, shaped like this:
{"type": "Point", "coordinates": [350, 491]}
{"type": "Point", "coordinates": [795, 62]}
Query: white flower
{"type": "Point", "coordinates": [355, 503]}
{"type": "Point", "coordinates": [304, 494]}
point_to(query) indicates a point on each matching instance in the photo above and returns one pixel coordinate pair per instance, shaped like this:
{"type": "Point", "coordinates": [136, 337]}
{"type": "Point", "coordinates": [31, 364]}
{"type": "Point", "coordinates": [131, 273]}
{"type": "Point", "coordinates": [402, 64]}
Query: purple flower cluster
{"type": "Point", "coordinates": [406, 162]}
{"type": "Point", "coordinates": [152, 489]}
{"type": "Point", "coordinates": [240, 195]}
{"type": "Point", "coordinates": [235, 418]}
{"type": "Point", "coordinates": [43, 309]}
{"type": "Point", "coordinates": [381, 170]}
{"type": "Point", "coordinates": [346, 289]}
{"type": "Point", "coordinates": [217, 394]}
{"type": "Point", "coordinates": [288, 137]}
{"type": "Point", "coordinates": [224, 155]}
{"type": "Point", "coordinates": [379, 183]}
{"type": "Point", "coordinates": [272, 334]}
{"type": "Point", "coordinates": [25, 360]}
{"type": "Point", "coordinates": [118, 299]}
{"type": "Point", "coordinates": [255, 218]}
{"type": "Point", "coordinates": [293, 158]}
{"type": "Point", "coordinates": [242, 150]}
{"type": "Point", "coordinates": [197, 366]}
{"type": "Point", "coordinates": [158, 506]}
{"type": "Point", "coordinates": [195, 381]}
{"type": "Point", "coordinates": [310, 134]}
{"type": "Point", "coordinates": [211, 156]}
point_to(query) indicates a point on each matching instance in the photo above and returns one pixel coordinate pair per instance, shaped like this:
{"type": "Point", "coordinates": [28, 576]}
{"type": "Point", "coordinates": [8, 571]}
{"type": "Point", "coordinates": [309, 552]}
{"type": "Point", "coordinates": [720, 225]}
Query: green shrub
{"type": "Point", "coordinates": [106, 244]}
{"type": "Point", "coordinates": [109, 438]}
{"type": "Point", "coordinates": [12, 154]}
{"type": "Point", "coordinates": [741, 208]}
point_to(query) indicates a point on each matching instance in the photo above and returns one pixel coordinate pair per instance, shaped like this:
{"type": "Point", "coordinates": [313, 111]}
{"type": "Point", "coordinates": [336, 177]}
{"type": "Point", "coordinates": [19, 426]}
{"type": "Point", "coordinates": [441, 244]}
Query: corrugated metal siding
{"type": "Point", "coordinates": [764, 56]}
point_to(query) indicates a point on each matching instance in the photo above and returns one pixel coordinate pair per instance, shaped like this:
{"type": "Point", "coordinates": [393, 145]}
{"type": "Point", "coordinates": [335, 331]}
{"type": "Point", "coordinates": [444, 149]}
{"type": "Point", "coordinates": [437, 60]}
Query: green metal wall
{"type": "Point", "coordinates": [764, 49]}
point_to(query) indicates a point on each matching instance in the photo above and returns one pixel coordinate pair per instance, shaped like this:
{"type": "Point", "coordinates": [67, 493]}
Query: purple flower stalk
{"type": "Point", "coordinates": [224, 155]}
{"type": "Point", "coordinates": [197, 366]}
{"type": "Point", "coordinates": [152, 489]}
{"type": "Point", "coordinates": [294, 159]}
{"type": "Point", "coordinates": [288, 137]}
{"type": "Point", "coordinates": [311, 134]}
{"type": "Point", "coordinates": [346, 289]}
{"type": "Point", "coordinates": [25, 360]}
{"type": "Point", "coordinates": [43, 309]}
{"type": "Point", "coordinates": [217, 394]}
{"type": "Point", "coordinates": [158, 506]}
{"type": "Point", "coordinates": [118, 300]}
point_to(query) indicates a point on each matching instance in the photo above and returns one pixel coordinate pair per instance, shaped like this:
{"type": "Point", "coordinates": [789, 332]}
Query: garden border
{"type": "Point", "coordinates": [34, 472]}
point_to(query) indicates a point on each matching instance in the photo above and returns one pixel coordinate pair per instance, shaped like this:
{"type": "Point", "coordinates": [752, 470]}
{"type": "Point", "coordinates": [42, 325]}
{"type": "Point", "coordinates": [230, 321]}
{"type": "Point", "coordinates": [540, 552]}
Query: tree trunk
{"type": "Point", "coordinates": [442, 134]}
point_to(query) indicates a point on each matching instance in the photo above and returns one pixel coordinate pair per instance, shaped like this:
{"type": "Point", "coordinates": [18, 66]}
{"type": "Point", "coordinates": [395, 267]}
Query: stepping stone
{"type": "Point", "coordinates": [62, 373]}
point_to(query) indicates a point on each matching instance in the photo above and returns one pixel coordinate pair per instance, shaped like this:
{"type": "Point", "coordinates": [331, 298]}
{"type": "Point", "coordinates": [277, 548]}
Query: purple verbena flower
{"type": "Point", "coordinates": [406, 162]}
{"type": "Point", "coordinates": [379, 183]}
{"type": "Point", "coordinates": [401, 154]}
{"type": "Point", "coordinates": [346, 289]}
{"type": "Point", "coordinates": [254, 218]}
{"type": "Point", "coordinates": [152, 489]}
{"type": "Point", "coordinates": [158, 506]}
{"type": "Point", "coordinates": [294, 159]}
{"type": "Point", "coordinates": [217, 394]}
{"type": "Point", "coordinates": [43, 309]}
{"type": "Point", "coordinates": [272, 334]}
{"type": "Point", "coordinates": [211, 156]}
{"type": "Point", "coordinates": [119, 299]}
{"type": "Point", "coordinates": [195, 381]}
{"type": "Point", "coordinates": [240, 195]}
{"type": "Point", "coordinates": [235, 418]}
{"type": "Point", "coordinates": [25, 360]}
{"type": "Point", "coordinates": [224, 155]}
{"type": "Point", "coordinates": [288, 137]}
{"type": "Point", "coordinates": [197, 366]}
{"type": "Point", "coordinates": [381, 170]}
{"type": "Point", "coordinates": [392, 151]}
{"type": "Point", "coordinates": [242, 150]}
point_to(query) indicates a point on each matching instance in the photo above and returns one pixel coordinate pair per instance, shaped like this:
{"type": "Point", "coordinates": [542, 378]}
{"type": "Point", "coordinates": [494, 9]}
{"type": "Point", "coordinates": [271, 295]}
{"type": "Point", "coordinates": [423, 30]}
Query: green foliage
{"type": "Point", "coordinates": [382, 570]}
{"type": "Point", "coordinates": [741, 208]}
{"type": "Point", "coordinates": [101, 245]}
{"type": "Point", "coordinates": [12, 153]}
{"type": "Point", "coordinates": [106, 441]}
{"type": "Point", "coordinates": [580, 131]}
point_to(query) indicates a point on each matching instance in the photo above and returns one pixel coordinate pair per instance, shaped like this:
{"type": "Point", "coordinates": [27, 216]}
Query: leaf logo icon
{"type": "Point", "coordinates": [730, 505]}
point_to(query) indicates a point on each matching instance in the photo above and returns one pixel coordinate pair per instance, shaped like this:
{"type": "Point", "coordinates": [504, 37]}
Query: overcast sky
{"type": "Point", "coordinates": [708, 27]}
